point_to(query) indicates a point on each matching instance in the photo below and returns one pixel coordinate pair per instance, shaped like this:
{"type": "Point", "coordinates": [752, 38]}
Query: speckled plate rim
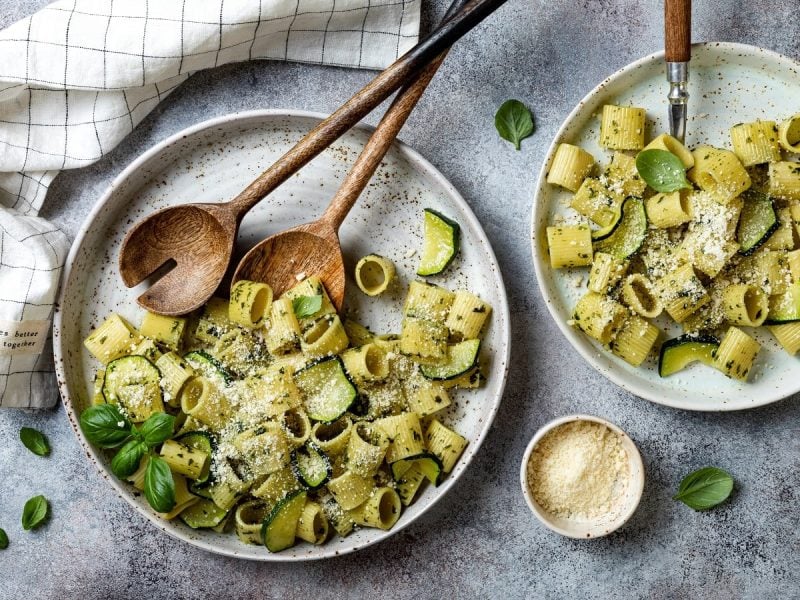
{"type": "Point", "coordinates": [589, 352]}
{"type": "Point", "coordinates": [419, 163]}
{"type": "Point", "coordinates": [590, 532]}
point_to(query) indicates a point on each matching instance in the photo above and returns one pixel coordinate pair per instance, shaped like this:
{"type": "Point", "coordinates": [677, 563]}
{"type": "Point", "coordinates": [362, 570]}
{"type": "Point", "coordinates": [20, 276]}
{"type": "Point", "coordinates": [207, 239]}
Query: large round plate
{"type": "Point", "coordinates": [212, 162]}
{"type": "Point", "coordinates": [729, 83]}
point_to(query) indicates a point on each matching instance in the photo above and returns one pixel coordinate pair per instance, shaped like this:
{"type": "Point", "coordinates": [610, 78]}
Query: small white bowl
{"type": "Point", "coordinates": [607, 523]}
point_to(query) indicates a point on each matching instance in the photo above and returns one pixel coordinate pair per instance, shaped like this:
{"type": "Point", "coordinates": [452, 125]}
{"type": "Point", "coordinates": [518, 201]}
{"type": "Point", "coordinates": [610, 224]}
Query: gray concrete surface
{"type": "Point", "coordinates": [482, 542]}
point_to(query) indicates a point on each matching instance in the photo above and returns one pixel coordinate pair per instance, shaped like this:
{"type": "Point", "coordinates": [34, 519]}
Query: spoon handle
{"type": "Point", "coordinates": [388, 81]}
{"type": "Point", "coordinates": [378, 145]}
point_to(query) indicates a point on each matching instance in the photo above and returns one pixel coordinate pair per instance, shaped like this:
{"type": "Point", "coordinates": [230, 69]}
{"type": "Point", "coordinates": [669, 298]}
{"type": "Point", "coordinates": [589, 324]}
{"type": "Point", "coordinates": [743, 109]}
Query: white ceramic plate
{"type": "Point", "coordinates": [213, 161]}
{"type": "Point", "coordinates": [729, 84]}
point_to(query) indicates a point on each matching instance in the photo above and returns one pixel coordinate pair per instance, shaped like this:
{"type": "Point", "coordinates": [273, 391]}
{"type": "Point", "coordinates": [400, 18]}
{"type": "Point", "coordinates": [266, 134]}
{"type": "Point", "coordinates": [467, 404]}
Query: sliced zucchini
{"type": "Point", "coordinates": [440, 244]}
{"type": "Point", "coordinates": [603, 232]}
{"type": "Point", "coordinates": [461, 358]}
{"type": "Point", "coordinates": [278, 529]}
{"type": "Point", "coordinates": [134, 383]}
{"type": "Point", "coordinates": [311, 466]}
{"type": "Point", "coordinates": [208, 365]}
{"type": "Point", "coordinates": [429, 464]}
{"type": "Point", "coordinates": [628, 235]}
{"type": "Point", "coordinates": [785, 307]}
{"type": "Point", "coordinates": [327, 390]}
{"type": "Point", "coordinates": [203, 514]}
{"type": "Point", "coordinates": [205, 442]}
{"type": "Point", "coordinates": [757, 221]}
{"type": "Point", "coordinates": [678, 353]}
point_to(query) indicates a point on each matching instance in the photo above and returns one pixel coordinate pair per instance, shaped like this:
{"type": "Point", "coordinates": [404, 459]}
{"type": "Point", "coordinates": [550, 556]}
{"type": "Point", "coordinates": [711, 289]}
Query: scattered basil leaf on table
{"type": "Point", "coordinates": [105, 426]}
{"type": "Point", "coordinates": [126, 461]}
{"type": "Point", "coordinates": [34, 513]}
{"type": "Point", "coordinates": [3, 539]}
{"type": "Point", "coordinates": [305, 306]}
{"type": "Point", "coordinates": [513, 121]}
{"type": "Point", "coordinates": [705, 488]}
{"type": "Point", "coordinates": [159, 487]}
{"type": "Point", "coordinates": [662, 170]}
{"type": "Point", "coordinates": [34, 441]}
{"type": "Point", "coordinates": [157, 428]}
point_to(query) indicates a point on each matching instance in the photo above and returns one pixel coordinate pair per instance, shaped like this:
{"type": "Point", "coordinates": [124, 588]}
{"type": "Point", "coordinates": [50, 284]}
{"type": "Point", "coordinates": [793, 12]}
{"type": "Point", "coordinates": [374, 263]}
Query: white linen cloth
{"type": "Point", "coordinates": [76, 78]}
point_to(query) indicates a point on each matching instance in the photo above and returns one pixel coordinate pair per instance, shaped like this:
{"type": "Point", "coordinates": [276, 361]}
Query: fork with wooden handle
{"type": "Point", "coordinates": [196, 240]}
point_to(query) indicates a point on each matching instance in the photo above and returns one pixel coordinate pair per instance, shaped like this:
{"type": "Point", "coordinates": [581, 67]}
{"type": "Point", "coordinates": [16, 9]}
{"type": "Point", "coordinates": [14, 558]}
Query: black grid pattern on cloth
{"type": "Point", "coordinates": [88, 72]}
{"type": "Point", "coordinates": [79, 75]}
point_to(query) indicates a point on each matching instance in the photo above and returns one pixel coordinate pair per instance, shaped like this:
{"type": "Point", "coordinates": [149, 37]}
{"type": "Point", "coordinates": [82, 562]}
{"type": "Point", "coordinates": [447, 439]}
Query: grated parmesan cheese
{"type": "Point", "coordinates": [579, 471]}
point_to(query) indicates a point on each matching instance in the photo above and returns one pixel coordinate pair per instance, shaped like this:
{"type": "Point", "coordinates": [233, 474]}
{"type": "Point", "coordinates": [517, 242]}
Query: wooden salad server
{"type": "Point", "coordinates": [677, 52]}
{"type": "Point", "coordinates": [313, 248]}
{"type": "Point", "coordinates": [194, 243]}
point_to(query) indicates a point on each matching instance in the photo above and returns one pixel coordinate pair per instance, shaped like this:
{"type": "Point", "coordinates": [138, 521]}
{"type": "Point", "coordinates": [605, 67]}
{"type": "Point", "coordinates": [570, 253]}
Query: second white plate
{"type": "Point", "coordinates": [729, 84]}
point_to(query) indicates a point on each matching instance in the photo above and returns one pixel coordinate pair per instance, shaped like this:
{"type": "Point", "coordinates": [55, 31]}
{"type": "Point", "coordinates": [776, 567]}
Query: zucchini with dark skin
{"type": "Point", "coordinates": [311, 466]}
{"type": "Point", "coordinates": [440, 243]}
{"type": "Point", "coordinates": [462, 357]}
{"type": "Point", "coordinates": [628, 235]}
{"type": "Point", "coordinates": [278, 529]}
{"type": "Point", "coordinates": [328, 390]}
{"type": "Point", "coordinates": [678, 353]}
{"type": "Point", "coordinates": [757, 221]}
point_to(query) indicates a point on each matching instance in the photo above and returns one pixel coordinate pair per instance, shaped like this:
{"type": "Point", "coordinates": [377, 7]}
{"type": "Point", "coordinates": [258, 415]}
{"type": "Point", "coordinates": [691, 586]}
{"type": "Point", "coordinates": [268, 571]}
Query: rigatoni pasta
{"type": "Point", "coordinates": [293, 424]}
{"type": "Point", "coordinates": [710, 235]}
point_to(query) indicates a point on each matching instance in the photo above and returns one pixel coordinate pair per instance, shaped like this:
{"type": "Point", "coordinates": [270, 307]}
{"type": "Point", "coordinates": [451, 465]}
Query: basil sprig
{"type": "Point", "coordinates": [34, 441]}
{"type": "Point", "coordinates": [513, 121]}
{"type": "Point", "coordinates": [305, 306]}
{"type": "Point", "coordinates": [35, 512]}
{"type": "Point", "coordinates": [662, 170]}
{"type": "Point", "coordinates": [105, 426]}
{"type": "Point", "coordinates": [705, 488]}
{"type": "Point", "coordinates": [159, 487]}
{"type": "Point", "coordinates": [3, 539]}
{"type": "Point", "coordinates": [126, 461]}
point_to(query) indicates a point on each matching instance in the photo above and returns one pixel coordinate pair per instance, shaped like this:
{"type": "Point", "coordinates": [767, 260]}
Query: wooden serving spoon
{"type": "Point", "coordinates": [313, 248]}
{"type": "Point", "coordinates": [195, 241]}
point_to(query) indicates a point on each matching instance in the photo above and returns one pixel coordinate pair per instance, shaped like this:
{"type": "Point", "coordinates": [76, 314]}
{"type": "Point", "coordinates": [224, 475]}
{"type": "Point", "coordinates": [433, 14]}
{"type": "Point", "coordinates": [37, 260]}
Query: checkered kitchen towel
{"type": "Point", "coordinates": [76, 77]}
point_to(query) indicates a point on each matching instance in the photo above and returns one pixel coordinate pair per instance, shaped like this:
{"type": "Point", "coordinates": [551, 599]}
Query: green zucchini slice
{"type": "Point", "coordinates": [327, 390]}
{"type": "Point", "coordinates": [678, 353]}
{"type": "Point", "coordinates": [603, 232]}
{"type": "Point", "coordinates": [628, 235]}
{"type": "Point", "coordinates": [785, 307]}
{"type": "Point", "coordinates": [205, 442]}
{"type": "Point", "coordinates": [461, 358]}
{"type": "Point", "coordinates": [208, 365]}
{"type": "Point", "coordinates": [757, 221]}
{"type": "Point", "coordinates": [429, 464]}
{"type": "Point", "coordinates": [408, 484]}
{"type": "Point", "coordinates": [134, 383]}
{"type": "Point", "coordinates": [440, 243]}
{"type": "Point", "coordinates": [278, 529]}
{"type": "Point", "coordinates": [203, 514]}
{"type": "Point", "coordinates": [311, 466]}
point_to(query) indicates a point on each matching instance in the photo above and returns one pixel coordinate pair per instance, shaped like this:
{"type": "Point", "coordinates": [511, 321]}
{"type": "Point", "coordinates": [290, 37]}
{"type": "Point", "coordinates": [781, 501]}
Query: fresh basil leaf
{"type": "Point", "coordinates": [105, 426]}
{"type": "Point", "coordinates": [305, 306]}
{"type": "Point", "coordinates": [34, 441]}
{"type": "Point", "coordinates": [126, 461]}
{"type": "Point", "coordinates": [157, 428]}
{"type": "Point", "coordinates": [34, 513]}
{"type": "Point", "coordinates": [513, 121]}
{"type": "Point", "coordinates": [662, 170]}
{"type": "Point", "coordinates": [3, 539]}
{"type": "Point", "coordinates": [705, 488]}
{"type": "Point", "coordinates": [159, 486]}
